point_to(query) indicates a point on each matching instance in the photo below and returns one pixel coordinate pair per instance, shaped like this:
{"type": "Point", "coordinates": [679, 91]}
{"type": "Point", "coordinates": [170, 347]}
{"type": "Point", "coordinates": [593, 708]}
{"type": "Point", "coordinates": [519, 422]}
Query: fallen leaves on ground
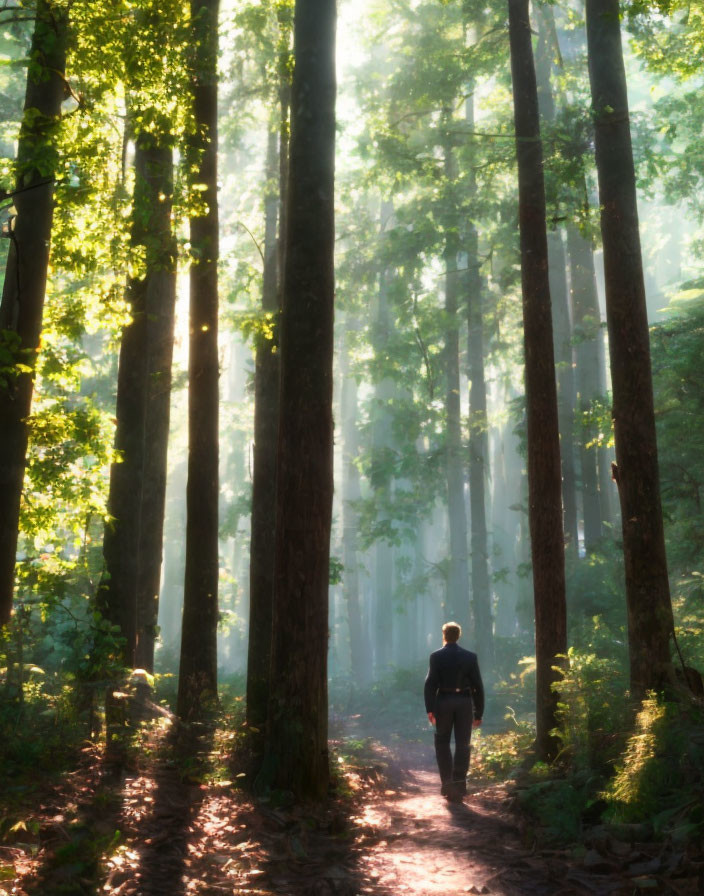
{"type": "Point", "coordinates": [158, 829]}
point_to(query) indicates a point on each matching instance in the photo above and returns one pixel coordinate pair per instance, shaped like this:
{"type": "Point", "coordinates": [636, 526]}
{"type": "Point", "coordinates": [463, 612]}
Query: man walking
{"type": "Point", "coordinates": [454, 699]}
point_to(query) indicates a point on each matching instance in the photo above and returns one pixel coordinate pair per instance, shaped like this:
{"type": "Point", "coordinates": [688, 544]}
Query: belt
{"type": "Point", "coordinates": [454, 691]}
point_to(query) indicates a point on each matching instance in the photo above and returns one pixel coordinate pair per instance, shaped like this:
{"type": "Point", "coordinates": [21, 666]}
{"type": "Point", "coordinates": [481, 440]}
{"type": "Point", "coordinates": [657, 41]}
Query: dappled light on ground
{"type": "Point", "coordinates": [175, 827]}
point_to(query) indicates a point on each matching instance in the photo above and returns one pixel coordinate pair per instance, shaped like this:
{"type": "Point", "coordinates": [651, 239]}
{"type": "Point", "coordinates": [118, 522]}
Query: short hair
{"type": "Point", "coordinates": [451, 632]}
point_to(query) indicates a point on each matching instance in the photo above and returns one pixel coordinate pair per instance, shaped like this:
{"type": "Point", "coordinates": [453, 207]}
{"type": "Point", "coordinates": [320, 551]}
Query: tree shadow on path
{"type": "Point", "coordinates": [163, 834]}
{"type": "Point", "coordinates": [81, 823]}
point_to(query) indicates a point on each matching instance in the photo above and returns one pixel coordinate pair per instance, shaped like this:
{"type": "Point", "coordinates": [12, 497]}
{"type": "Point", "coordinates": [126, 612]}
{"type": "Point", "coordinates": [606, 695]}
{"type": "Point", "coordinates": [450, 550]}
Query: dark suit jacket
{"type": "Point", "coordinates": [454, 667]}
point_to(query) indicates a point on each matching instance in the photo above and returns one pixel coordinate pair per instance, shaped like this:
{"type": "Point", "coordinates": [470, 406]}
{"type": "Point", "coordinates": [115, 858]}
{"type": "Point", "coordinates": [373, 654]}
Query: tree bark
{"type": "Point", "coordinates": [24, 290]}
{"type": "Point", "coordinates": [117, 594]}
{"type": "Point", "coordinates": [544, 475]}
{"type": "Point", "coordinates": [478, 441]}
{"type": "Point", "coordinates": [160, 301]}
{"type": "Point", "coordinates": [266, 414]}
{"type": "Point", "coordinates": [133, 538]}
{"type": "Point", "coordinates": [197, 690]}
{"type": "Point", "coordinates": [650, 620]}
{"type": "Point", "coordinates": [297, 754]}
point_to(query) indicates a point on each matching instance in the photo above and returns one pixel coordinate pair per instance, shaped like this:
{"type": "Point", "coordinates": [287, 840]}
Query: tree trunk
{"type": "Point", "coordinates": [383, 604]}
{"type": "Point", "coordinates": [160, 301]}
{"type": "Point", "coordinates": [117, 594]}
{"type": "Point", "coordinates": [351, 493]}
{"type": "Point", "coordinates": [197, 690]}
{"type": "Point", "coordinates": [24, 290]}
{"type": "Point", "coordinates": [458, 575]}
{"type": "Point", "coordinates": [544, 478]}
{"type": "Point", "coordinates": [566, 393]}
{"type": "Point", "coordinates": [458, 602]}
{"type": "Point", "coordinates": [478, 454]}
{"type": "Point", "coordinates": [298, 714]}
{"type": "Point", "coordinates": [587, 331]}
{"type": "Point", "coordinates": [604, 454]}
{"type": "Point", "coordinates": [381, 477]}
{"type": "Point", "coordinates": [562, 328]}
{"type": "Point", "coordinates": [478, 458]}
{"type": "Point", "coordinates": [266, 412]}
{"type": "Point", "coordinates": [650, 621]}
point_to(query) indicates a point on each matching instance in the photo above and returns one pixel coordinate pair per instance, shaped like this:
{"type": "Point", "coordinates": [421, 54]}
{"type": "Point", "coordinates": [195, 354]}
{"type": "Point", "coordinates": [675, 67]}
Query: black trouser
{"type": "Point", "coordinates": [453, 711]}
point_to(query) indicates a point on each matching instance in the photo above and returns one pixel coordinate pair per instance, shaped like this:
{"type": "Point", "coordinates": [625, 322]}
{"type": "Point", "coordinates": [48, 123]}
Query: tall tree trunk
{"type": "Point", "coordinates": [351, 493]}
{"type": "Point", "coordinates": [544, 477]}
{"type": "Point", "coordinates": [381, 477]}
{"type": "Point", "coordinates": [197, 689]}
{"type": "Point", "coordinates": [458, 576]}
{"type": "Point", "coordinates": [562, 328]}
{"type": "Point", "coordinates": [24, 290]}
{"type": "Point", "coordinates": [117, 595]}
{"type": "Point", "coordinates": [566, 392]}
{"type": "Point", "coordinates": [650, 621]}
{"type": "Point", "coordinates": [266, 414]}
{"type": "Point", "coordinates": [478, 442]}
{"type": "Point", "coordinates": [587, 330]}
{"type": "Point", "coordinates": [478, 456]}
{"type": "Point", "coordinates": [383, 604]}
{"type": "Point", "coordinates": [458, 602]}
{"type": "Point", "coordinates": [298, 712]}
{"type": "Point", "coordinates": [504, 526]}
{"type": "Point", "coordinates": [267, 375]}
{"type": "Point", "coordinates": [160, 301]}
{"type": "Point", "coordinates": [133, 539]}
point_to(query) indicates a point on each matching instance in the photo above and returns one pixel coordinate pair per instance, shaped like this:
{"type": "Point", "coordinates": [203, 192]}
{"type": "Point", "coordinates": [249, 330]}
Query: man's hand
{"type": "Point", "coordinates": [477, 723]}
{"type": "Point", "coordinates": [431, 718]}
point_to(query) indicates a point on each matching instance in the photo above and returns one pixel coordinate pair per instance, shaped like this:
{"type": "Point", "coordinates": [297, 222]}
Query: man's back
{"type": "Point", "coordinates": [454, 669]}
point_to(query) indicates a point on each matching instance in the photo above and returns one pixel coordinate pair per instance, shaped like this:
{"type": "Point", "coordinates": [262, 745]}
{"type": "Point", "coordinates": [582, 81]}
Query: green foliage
{"type": "Point", "coordinates": [42, 718]}
{"type": "Point", "coordinates": [593, 713]}
{"type": "Point", "coordinates": [594, 721]}
{"type": "Point", "coordinates": [671, 34]}
{"type": "Point", "coordinates": [337, 571]}
{"type": "Point", "coordinates": [677, 347]}
{"type": "Point", "coordinates": [661, 773]}
{"type": "Point", "coordinates": [12, 360]}
{"type": "Point", "coordinates": [423, 175]}
{"type": "Point", "coordinates": [556, 805]}
{"type": "Point", "coordinates": [596, 608]}
{"type": "Point", "coordinates": [499, 754]}
{"type": "Point", "coordinates": [257, 326]}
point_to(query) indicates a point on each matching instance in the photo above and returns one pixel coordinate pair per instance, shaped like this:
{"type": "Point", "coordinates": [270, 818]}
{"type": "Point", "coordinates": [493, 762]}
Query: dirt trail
{"type": "Point", "coordinates": [159, 832]}
{"type": "Point", "coordinates": [430, 846]}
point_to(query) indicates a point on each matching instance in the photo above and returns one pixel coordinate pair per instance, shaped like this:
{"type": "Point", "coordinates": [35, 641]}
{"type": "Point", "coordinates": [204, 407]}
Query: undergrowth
{"type": "Point", "coordinates": [620, 764]}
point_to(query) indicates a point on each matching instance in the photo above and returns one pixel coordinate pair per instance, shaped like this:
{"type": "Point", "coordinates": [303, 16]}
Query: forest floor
{"type": "Point", "coordinates": [171, 826]}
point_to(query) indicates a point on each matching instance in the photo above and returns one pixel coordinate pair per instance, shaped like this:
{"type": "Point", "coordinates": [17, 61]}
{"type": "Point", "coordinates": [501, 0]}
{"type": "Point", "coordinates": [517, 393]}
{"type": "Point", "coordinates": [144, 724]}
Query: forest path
{"type": "Point", "coordinates": [426, 846]}
{"type": "Point", "coordinates": [169, 827]}
{"type": "Point", "coordinates": [430, 846]}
